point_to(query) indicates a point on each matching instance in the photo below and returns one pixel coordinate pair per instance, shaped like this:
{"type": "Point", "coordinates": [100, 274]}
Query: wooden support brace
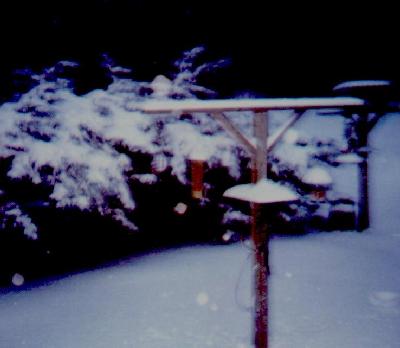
{"type": "Point", "coordinates": [261, 135]}
{"type": "Point", "coordinates": [277, 136]}
{"type": "Point", "coordinates": [232, 130]}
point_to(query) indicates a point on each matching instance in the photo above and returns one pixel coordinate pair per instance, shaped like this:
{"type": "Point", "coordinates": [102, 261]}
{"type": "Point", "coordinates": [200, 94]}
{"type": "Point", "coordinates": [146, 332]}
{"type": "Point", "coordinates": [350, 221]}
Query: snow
{"type": "Point", "coordinates": [261, 104]}
{"type": "Point", "coordinates": [228, 235]}
{"type": "Point", "coordinates": [81, 141]}
{"type": "Point", "coordinates": [199, 154]}
{"type": "Point", "coordinates": [159, 163]}
{"type": "Point", "coordinates": [297, 157]}
{"type": "Point", "coordinates": [348, 158]}
{"type": "Point", "coordinates": [184, 140]}
{"type": "Point", "coordinates": [180, 208]}
{"type": "Point", "coordinates": [317, 176]}
{"type": "Point", "coordinates": [77, 138]}
{"type": "Point", "coordinates": [337, 289]}
{"type": "Point", "coordinates": [162, 87]}
{"type": "Point", "coordinates": [235, 215]}
{"type": "Point", "coordinates": [326, 290]}
{"type": "Point", "coordinates": [17, 279]}
{"type": "Point", "coordinates": [345, 178]}
{"type": "Point", "coordinates": [22, 220]}
{"type": "Point", "coordinates": [202, 298]}
{"type": "Point", "coordinates": [148, 179]}
{"type": "Point", "coordinates": [264, 191]}
{"type": "Point", "coordinates": [74, 143]}
{"type": "Point", "coordinates": [291, 136]}
{"type": "Point", "coordinates": [361, 83]}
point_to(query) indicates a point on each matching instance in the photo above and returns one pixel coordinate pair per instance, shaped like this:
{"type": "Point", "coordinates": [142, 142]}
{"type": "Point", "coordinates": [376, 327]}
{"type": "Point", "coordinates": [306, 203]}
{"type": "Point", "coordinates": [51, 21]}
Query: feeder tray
{"type": "Point", "coordinates": [263, 192]}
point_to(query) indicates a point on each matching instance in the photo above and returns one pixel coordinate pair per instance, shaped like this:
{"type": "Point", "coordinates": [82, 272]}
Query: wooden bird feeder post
{"type": "Point", "coordinates": [259, 234]}
{"type": "Point", "coordinates": [260, 195]}
{"type": "Point", "coordinates": [261, 192]}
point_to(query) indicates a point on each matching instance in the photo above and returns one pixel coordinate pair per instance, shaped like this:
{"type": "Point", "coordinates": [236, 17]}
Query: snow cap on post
{"type": "Point", "coordinates": [199, 153]}
{"type": "Point", "coordinates": [161, 86]}
{"type": "Point", "coordinates": [317, 177]}
{"type": "Point", "coordinates": [263, 192]}
{"type": "Point", "coordinates": [348, 158]}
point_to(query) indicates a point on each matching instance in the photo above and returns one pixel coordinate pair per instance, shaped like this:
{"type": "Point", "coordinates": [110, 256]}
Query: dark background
{"type": "Point", "coordinates": [273, 50]}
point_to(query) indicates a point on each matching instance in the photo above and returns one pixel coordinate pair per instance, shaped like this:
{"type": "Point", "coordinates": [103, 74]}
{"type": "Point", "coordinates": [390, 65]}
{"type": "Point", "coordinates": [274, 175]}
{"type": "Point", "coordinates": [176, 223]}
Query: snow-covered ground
{"type": "Point", "coordinates": [338, 289]}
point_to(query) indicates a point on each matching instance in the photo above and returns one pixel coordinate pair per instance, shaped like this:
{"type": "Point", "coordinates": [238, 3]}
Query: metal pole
{"type": "Point", "coordinates": [363, 198]}
{"type": "Point", "coordinates": [363, 204]}
{"type": "Point", "coordinates": [261, 135]}
{"type": "Point", "coordinates": [260, 236]}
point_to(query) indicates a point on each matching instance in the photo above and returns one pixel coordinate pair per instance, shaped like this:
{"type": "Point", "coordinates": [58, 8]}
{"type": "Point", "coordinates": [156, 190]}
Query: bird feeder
{"type": "Point", "coordinates": [380, 97]}
{"type": "Point", "coordinates": [378, 93]}
{"type": "Point", "coordinates": [348, 158]}
{"type": "Point", "coordinates": [261, 194]}
{"type": "Point", "coordinates": [319, 181]}
{"type": "Point", "coordinates": [197, 159]}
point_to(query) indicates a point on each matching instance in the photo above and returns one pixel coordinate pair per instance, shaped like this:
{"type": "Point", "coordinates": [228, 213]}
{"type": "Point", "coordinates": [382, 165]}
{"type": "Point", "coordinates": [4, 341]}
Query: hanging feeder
{"type": "Point", "coordinates": [348, 158]}
{"type": "Point", "coordinates": [197, 159]}
{"type": "Point", "coordinates": [319, 181]}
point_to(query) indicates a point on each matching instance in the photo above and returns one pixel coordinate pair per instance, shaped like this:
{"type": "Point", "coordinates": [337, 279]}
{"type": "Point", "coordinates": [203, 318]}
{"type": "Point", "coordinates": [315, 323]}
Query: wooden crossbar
{"type": "Point", "coordinates": [257, 105]}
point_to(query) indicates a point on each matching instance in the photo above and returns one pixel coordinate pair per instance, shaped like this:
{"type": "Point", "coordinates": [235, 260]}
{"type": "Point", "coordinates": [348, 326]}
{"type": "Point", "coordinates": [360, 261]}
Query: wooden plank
{"type": "Point", "coordinates": [261, 134]}
{"type": "Point", "coordinates": [260, 237]}
{"type": "Point", "coordinates": [259, 105]}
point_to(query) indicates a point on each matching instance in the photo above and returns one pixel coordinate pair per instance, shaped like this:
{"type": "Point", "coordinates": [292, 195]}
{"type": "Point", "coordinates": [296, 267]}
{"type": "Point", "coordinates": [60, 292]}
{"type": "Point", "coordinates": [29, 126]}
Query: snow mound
{"type": "Point", "coordinates": [349, 158]}
{"type": "Point", "coordinates": [317, 176]}
{"type": "Point", "coordinates": [265, 191]}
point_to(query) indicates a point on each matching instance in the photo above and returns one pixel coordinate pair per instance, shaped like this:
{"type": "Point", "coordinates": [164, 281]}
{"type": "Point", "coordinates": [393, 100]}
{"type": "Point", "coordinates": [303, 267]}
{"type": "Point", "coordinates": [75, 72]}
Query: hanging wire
{"type": "Point", "coordinates": [241, 305]}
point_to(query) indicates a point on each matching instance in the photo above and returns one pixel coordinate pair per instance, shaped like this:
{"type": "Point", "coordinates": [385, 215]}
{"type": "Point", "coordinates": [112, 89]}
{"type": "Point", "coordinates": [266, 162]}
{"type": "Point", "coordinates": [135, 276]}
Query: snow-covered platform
{"type": "Point", "coordinates": [261, 104]}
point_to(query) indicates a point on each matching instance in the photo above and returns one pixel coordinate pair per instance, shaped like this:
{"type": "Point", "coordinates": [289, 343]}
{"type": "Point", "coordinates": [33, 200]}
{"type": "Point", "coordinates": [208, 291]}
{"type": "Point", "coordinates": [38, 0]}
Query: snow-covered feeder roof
{"type": "Point", "coordinates": [264, 192]}
{"type": "Point", "coordinates": [361, 83]}
{"type": "Point", "coordinates": [348, 158]}
{"type": "Point", "coordinates": [161, 86]}
{"type": "Point", "coordinates": [317, 176]}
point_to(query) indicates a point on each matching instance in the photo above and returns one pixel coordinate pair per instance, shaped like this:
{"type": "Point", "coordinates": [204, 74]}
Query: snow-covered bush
{"type": "Point", "coordinates": [12, 216]}
{"type": "Point", "coordinates": [87, 149]}
{"type": "Point", "coordinates": [83, 146]}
